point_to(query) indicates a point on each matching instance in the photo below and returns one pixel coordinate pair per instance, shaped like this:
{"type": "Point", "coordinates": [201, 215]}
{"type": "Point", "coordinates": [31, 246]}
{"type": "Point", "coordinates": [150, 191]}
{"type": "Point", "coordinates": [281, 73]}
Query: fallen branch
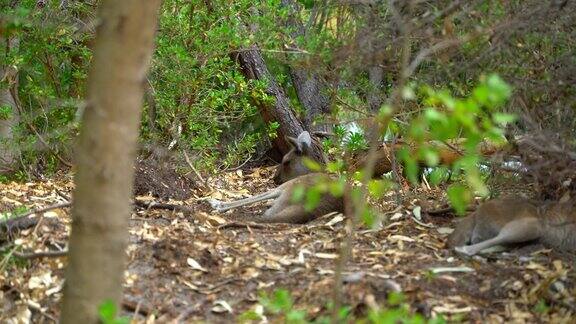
{"type": "Point", "coordinates": [445, 210]}
{"type": "Point", "coordinates": [39, 309]}
{"type": "Point", "coordinates": [155, 205]}
{"type": "Point", "coordinates": [22, 221]}
{"type": "Point", "coordinates": [41, 210]}
{"type": "Point", "coordinates": [249, 225]}
{"type": "Point", "coordinates": [136, 308]}
{"type": "Point", "coordinates": [43, 254]}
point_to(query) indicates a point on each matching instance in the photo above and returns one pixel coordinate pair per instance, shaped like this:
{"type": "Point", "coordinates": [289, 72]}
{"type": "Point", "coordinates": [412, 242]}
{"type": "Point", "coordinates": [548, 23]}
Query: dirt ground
{"type": "Point", "coordinates": [209, 267]}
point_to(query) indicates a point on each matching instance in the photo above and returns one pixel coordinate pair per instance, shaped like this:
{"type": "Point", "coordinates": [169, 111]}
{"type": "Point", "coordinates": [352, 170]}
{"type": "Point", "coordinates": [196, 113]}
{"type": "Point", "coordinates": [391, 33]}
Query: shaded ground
{"type": "Point", "coordinates": [208, 267]}
{"type": "Point", "coordinates": [155, 176]}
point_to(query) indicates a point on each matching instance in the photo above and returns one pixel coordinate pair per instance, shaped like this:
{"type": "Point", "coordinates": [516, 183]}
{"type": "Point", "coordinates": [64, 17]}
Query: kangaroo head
{"type": "Point", "coordinates": [292, 164]}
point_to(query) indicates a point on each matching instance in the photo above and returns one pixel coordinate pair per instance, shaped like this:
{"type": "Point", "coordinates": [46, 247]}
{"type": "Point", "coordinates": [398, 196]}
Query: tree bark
{"type": "Point", "coordinates": [310, 93]}
{"type": "Point", "coordinates": [253, 67]}
{"type": "Point", "coordinates": [376, 76]}
{"type": "Point", "coordinates": [105, 157]}
{"type": "Point", "coordinates": [9, 112]}
{"type": "Point", "coordinates": [310, 90]}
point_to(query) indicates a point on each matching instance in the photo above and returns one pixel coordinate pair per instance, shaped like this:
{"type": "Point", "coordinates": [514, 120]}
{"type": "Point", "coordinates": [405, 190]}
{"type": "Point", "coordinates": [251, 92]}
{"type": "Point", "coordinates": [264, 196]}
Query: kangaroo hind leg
{"type": "Point", "coordinates": [224, 206]}
{"type": "Point", "coordinates": [516, 231]}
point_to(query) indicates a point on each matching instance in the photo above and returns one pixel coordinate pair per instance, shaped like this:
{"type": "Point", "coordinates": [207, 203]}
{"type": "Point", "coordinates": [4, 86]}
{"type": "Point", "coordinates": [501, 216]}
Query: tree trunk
{"type": "Point", "coordinates": [311, 92]}
{"type": "Point", "coordinates": [376, 76]}
{"type": "Point", "coordinates": [9, 113]}
{"type": "Point", "coordinates": [105, 157]}
{"type": "Point", "coordinates": [253, 67]}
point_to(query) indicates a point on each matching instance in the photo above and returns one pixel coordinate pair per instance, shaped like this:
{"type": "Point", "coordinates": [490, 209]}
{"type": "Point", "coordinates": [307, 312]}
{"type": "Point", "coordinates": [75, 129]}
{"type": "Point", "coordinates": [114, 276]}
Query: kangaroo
{"type": "Point", "coordinates": [284, 209]}
{"type": "Point", "coordinates": [512, 220]}
{"type": "Point", "coordinates": [292, 164]}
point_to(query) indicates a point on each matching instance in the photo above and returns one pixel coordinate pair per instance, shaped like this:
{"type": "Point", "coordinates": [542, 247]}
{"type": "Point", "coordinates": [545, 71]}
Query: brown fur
{"type": "Point", "coordinates": [292, 165]}
{"type": "Point", "coordinates": [284, 210]}
{"type": "Point", "coordinates": [516, 220]}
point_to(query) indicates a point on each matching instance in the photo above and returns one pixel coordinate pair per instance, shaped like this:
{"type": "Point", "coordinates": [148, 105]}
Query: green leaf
{"type": "Point", "coordinates": [475, 182]}
{"type": "Point", "coordinates": [396, 298]}
{"type": "Point", "coordinates": [500, 91]}
{"type": "Point", "coordinates": [335, 166]}
{"type": "Point", "coordinates": [433, 115]}
{"type": "Point", "coordinates": [503, 119]}
{"type": "Point", "coordinates": [249, 315]}
{"type": "Point", "coordinates": [313, 196]}
{"type": "Point", "coordinates": [368, 217]}
{"type": "Point", "coordinates": [481, 94]}
{"type": "Point", "coordinates": [356, 142]}
{"type": "Point", "coordinates": [5, 112]}
{"type": "Point", "coordinates": [417, 130]}
{"type": "Point", "coordinates": [438, 175]}
{"type": "Point", "coordinates": [410, 164]}
{"type": "Point", "coordinates": [308, 4]}
{"type": "Point", "coordinates": [107, 311]}
{"type": "Point", "coordinates": [296, 316]}
{"type": "Point", "coordinates": [447, 99]}
{"type": "Point", "coordinates": [282, 300]}
{"type": "Point", "coordinates": [384, 112]}
{"type": "Point", "coordinates": [336, 187]}
{"type": "Point", "coordinates": [378, 187]}
{"type": "Point", "coordinates": [298, 193]}
{"type": "Point", "coordinates": [311, 164]}
{"type": "Point", "coordinates": [430, 156]}
{"type": "Point", "coordinates": [459, 198]}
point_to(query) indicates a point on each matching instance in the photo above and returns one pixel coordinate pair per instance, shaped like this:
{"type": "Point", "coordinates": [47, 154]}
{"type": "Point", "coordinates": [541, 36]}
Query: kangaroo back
{"type": "Point", "coordinates": [559, 226]}
{"type": "Point", "coordinates": [285, 210]}
{"type": "Point", "coordinates": [489, 219]}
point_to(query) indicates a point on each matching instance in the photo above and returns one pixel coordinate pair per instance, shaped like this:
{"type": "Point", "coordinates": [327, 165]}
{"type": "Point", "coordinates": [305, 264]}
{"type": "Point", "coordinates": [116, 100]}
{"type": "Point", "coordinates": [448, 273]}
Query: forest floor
{"type": "Point", "coordinates": [204, 266]}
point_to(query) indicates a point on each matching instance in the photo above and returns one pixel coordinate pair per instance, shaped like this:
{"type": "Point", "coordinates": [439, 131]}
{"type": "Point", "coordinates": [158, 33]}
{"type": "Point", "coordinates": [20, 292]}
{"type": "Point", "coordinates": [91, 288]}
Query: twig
{"type": "Point", "coordinates": [440, 15]}
{"type": "Point", "coordinates": [61, 159]}
{"type": "Point", "coordinates": [44, 209]}
{"type": "Point", "coordinates": [136, 308]}
{"type": "Point", "coordinates": [8, 223]}
{"type": "Point", "coordinates": [185, 314]}
{"type": "Point", "coordinates": [379, 125]}
{"type": "Point", "coordinates": [421, 223]}
{"type": "Point", "coordinates": [41, 311]}
{"type": "Point", "coordinates": [241, 165]}
{"type": "Point", "coordinates": [155, 205]}
{"type": "Point", "coordinates": [31, 126]}
{"type": "Point", "coordinates": [425, 53]}
{"type": "Point", "coordinates": [323, 134]}
{"type": "Point", "coordinates": [442, 211]}
{"type": "Point", "coordinates": [395, 169]}
{"type": "Point", "coordinates": [249, 225]}
{"type": "Point", "coordinates": [425, 181]}
{"type": "Point", "coordinates": [187, 158]}
{"type": "Point", "coordinates": [62, 194]}
{"type": "Point", "coordinates": [43, 254]}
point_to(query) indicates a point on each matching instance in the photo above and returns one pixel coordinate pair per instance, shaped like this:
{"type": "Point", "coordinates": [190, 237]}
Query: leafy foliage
{"type": "Point", "coordinates": [474, 119]}
{"type": "Point", "coordinates": [281, 304]}
{"type": "Point", "coordinates": [108, 314]}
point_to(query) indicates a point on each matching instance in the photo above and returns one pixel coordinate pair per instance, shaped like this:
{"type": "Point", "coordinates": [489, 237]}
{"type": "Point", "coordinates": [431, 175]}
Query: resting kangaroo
{"type": "Point", "coordinates": [284, 210]}
{"type": "Point", "coordinates": [516, 220]}
{"type": "Point", "coordinates": [293, 166]}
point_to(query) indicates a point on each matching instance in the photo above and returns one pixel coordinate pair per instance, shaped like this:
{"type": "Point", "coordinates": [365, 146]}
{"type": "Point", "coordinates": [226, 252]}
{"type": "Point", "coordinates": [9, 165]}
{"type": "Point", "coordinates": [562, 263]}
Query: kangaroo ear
{"type": "Point", "coordinates": [300, 144]}
{"type": "Point", "coordinates": [293, 142]}
{"type": "Point", "coordinates": [304, 141]}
